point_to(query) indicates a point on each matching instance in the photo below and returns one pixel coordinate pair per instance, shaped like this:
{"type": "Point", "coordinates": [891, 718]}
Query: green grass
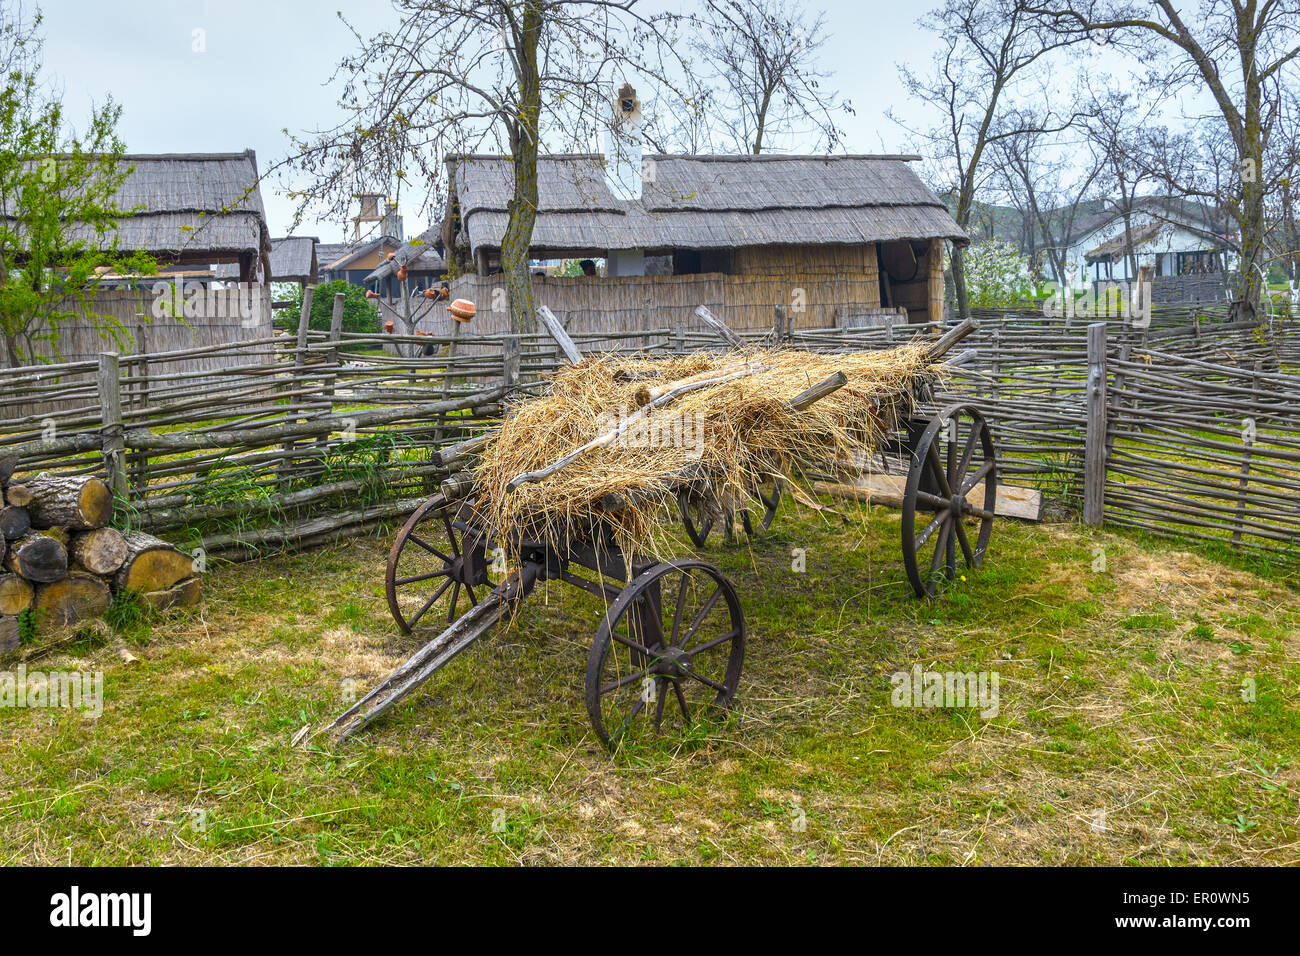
{"type": "Point", "coordinates": [1162, 691]}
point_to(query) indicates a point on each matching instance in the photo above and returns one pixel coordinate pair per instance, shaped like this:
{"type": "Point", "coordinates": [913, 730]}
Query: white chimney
{"type": "Point", "coordinates": [623, 146]}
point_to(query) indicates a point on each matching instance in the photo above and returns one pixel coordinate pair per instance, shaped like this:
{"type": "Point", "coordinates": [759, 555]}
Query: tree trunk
{"type": "Point", "coordinates": [15, 594]}
{"type": "Point", "coordinates": [1252, 237]}
{"type": "Point", "coordinates": [101, 551]}
{"type": "Point", "coordinates": [77, 502]}
{"type": "Point", "coordinates": [152, 564]}
{"type": "Point", "coordinates": [522, 207]}
{"type": "Point", "coordinates": [959, 281]}
{"type": "Point", "coordinates": [72, 598]}
{"type": "Point", "coordinates": [38, 557]}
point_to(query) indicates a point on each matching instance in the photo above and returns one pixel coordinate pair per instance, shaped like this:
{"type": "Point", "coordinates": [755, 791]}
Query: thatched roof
{"type": "Point", "coordinates": [340, 256]}
{"type": "Point", "coordinates": [418, 255]}
{"type": "Point", "coordinates": [705, 202]}
{"type": "Point", "coordinates": [327, 253]}
{"type": "Point", "coordinates": [192, 207]}
{"type": "Point", "coordinates": [293, 259]}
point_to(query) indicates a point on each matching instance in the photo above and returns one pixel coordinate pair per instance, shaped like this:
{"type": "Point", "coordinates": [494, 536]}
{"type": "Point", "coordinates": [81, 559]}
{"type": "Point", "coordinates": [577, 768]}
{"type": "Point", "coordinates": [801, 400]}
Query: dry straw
{"type": "Point", "coordinates": [717, 444]}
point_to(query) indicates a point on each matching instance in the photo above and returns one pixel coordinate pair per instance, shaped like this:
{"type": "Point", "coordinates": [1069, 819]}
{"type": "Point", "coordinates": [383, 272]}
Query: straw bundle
{"type": "Point", "coordinates": [718, 442]}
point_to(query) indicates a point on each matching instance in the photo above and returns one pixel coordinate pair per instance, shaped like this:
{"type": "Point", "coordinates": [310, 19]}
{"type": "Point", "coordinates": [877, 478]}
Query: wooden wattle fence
{"type": "Point", "coordinates": [1188, 428]}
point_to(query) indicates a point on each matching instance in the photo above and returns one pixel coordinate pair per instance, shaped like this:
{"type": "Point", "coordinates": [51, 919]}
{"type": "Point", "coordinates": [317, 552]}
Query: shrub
{"type": "Point", "coordinates": [359, 313]}
{"type": "Point", "coordinates": [996, 275]}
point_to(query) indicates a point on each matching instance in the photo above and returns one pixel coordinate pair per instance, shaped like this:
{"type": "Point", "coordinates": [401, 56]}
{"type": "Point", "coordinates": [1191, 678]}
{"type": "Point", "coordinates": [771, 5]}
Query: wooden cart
{"type": "Point", "coordinates": [671, 643]}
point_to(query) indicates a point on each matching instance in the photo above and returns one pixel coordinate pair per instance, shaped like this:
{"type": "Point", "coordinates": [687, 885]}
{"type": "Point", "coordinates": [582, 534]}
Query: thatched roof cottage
{"type": "Point", "coordinates": [827, 237]}
{"type": "Point", "coordinates": [200, 215]}
{"type": "Point", "coordinates": [196, 210]}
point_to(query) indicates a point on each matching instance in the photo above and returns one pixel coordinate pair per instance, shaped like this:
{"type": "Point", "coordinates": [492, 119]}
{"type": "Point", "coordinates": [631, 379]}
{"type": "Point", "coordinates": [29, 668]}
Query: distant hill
{"type": "Point", "coordinates": [1006, 224]}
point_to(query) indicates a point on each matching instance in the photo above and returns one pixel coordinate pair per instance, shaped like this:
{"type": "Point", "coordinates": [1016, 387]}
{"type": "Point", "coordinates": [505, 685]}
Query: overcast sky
{"type": "Point", "coordinates": [266, 63]}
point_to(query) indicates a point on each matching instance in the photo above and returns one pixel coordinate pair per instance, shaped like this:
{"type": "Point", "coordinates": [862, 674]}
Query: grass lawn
{"type": "Point", "coordinates": [1121, 735]}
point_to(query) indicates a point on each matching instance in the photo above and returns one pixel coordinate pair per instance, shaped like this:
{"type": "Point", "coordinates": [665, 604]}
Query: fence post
{"type": "Point", "coordinates": [336, 320]}
{"type": "Point", "coordinates": [336, 333]}
{"type": "Point", "coordinates": [138, 477]}
{"type": "Point", "coordinates": [1248, 431]}
{"type": "Point", "coordinates": [110, 409]}
{"type": "Point", "coordinates": [1094, 474]}
{"type": "Point", "coordinates": [299, 360]}
{"type": "Point", "coordinates": [304, 320]}
{"type": "Point", "coordinates": [510, 361]}
{"type": "Point", "coordinates": [995, 387]}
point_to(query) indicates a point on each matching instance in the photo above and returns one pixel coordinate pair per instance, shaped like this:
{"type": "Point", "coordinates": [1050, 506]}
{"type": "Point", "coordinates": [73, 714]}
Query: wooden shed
{"type": "Point", "coordinates": [832, 239]}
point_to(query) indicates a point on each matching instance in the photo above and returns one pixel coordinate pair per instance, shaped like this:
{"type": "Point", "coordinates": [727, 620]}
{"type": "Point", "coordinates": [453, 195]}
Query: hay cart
{"type": "Point", "coordinates": [948, 450]}
{"type": "Point", "coordinates": [671, 643]}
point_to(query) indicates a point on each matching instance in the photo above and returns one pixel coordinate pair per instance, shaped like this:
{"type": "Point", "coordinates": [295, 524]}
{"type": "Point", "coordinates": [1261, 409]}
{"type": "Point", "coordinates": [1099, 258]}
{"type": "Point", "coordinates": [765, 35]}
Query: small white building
{"type": "Point", "coordinates": [1169, 240]}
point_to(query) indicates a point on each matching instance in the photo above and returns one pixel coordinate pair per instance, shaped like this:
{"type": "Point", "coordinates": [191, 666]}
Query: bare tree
{"type": "Point", "coordinates": [1282, 211]}
{"type": "Point", "coordinates": [1242, 52]}
{"type": "Point", "coordinates": [455, 76]}
{"type": "Point", "coordinates": [760, 56]}
{"type": "Point", "coordinates": [1120, 126]}
{"type": "Point", "coordinates": [990, 48]}
{"type": "Point", "coordinates": [1048, 177]}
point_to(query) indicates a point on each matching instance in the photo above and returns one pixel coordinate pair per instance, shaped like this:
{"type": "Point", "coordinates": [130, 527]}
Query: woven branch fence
{"type": "Point", "coordinates": [293, 441]}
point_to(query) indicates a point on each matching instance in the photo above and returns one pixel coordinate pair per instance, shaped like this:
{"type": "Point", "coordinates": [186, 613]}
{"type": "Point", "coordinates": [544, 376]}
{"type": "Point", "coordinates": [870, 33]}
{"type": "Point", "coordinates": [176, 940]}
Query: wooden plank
{"type": "Point", "coordinates": [552, 325]}
{"type": "Point", "coordinates": [725, 333]}
{"type": "Point", "coordinates": [1013, 501]}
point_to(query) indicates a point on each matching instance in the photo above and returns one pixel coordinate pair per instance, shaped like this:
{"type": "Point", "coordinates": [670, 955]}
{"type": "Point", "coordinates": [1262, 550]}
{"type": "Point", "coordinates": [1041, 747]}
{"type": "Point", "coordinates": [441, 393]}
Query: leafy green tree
{"type": "Point", "coordinates": [359, 313]}
{"type": "Point", "coordinates": [58, 192]}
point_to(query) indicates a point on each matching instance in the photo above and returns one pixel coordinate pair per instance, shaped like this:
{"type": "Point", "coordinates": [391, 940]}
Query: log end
{"type": "Point", "coordinates": [155, 569]}
{"type": "Point", "coordinates": [73, 598]}
{"type": "Point", "coordinates": [186, 594]}
{"type": "Point", "coordinates": [95, 502]}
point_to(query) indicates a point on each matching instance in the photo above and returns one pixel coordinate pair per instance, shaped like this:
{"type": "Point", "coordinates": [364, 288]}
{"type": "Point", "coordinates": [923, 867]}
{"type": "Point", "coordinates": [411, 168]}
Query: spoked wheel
{"type": "Point", "coordinates": [698, 518]}
{"type": "Point", "coordinates": [669, 650]}
{"type": "Point", "coordinates": [949, 457]}
{"type": "Point", "coordinates": [435, 566]}
{"type": "Point", "coordinates": [769, 493]}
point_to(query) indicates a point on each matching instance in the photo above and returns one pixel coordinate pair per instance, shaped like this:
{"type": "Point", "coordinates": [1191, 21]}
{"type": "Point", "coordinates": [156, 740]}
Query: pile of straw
{"type": "Point", "coordinates": [719, 443]}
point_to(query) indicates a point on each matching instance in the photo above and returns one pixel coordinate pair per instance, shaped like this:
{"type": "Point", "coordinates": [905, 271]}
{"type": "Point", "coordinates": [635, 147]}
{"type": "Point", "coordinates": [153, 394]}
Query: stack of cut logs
{"type": "Point", "coordinates": [60, 563]}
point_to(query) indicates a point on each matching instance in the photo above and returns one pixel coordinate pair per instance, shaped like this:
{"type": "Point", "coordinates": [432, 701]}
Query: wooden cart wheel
{"type": "Point", "coordinates": [436, 561]}
{"type": "Point", "coordinates": [696, 518]}
{"type": "Point", "coordinates": [949, 457]}
{"type": "Point", "coordinates": [670, 648]}
{"type": "Point", "coordinates": [698, 522]}
{"type": "Point", "coordinates": [770, 494]}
